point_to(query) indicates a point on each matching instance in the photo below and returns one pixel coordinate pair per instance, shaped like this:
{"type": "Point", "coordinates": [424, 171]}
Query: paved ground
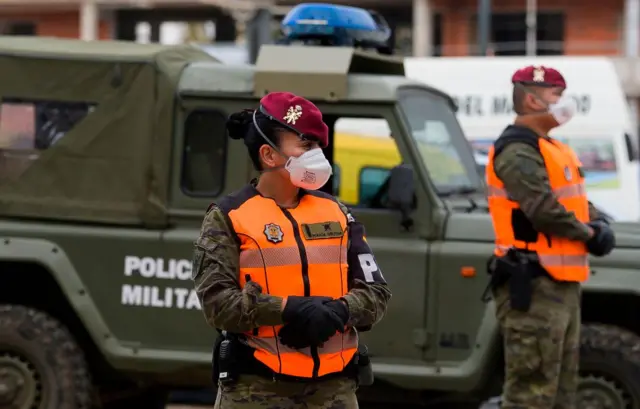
{"type": "Point", "coordinates": [188, 407]}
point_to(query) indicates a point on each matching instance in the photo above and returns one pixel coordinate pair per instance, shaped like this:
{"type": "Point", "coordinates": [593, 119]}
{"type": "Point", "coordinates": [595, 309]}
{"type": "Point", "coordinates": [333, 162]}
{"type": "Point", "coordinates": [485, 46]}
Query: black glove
{"type": "Point", "coordinates": [308, 322]}
{"type": "Point", "coordinates": [603, 240]}
{"type": "Point", "coordinates": [341, 309]}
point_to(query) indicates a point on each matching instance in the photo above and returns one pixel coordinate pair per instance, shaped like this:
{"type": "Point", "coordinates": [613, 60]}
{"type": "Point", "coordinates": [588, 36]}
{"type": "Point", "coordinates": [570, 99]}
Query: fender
{"type": "Point", "coordinates": [466, 376]}
{"type": "Point", "coordinates": [617, 273]}
{"type": "Point", "coordinates": [56, 261]}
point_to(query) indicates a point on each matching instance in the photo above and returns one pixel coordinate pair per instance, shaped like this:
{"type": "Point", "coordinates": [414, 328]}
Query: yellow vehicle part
{"type": "Point", "coordinates": [355, 154]}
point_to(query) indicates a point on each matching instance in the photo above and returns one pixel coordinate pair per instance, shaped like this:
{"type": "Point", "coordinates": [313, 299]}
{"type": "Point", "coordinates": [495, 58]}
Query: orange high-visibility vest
{"type": "Point", "coordinates": [563, 259]}
{"type": "Point", "coordinates": [279, 252]}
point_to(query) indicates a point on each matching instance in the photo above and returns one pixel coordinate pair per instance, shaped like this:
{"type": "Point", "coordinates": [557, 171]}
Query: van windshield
{"type": "Point", "coordinates": [439, 138]}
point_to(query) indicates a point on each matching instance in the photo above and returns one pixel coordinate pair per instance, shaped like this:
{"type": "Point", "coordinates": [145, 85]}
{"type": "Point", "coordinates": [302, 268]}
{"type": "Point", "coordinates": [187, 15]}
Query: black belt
{"type": "Point", "coordinates": [249, 365]}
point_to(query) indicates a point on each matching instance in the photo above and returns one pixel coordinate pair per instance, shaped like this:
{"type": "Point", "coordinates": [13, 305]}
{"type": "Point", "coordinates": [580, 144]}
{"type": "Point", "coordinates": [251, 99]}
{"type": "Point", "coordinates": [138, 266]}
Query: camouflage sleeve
{"type": "Point", "coordinates": [594, 214]}
{"type": "Point", "coordinates": [215, 275]}
{"type": "Point", "coordinates": [368, 294]}
{"type": "Point", "coordinates": [521, 169]}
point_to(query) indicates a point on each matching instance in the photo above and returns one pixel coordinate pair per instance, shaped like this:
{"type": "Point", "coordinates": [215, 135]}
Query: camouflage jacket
{"type": "Point", "coordinates": [521, 169]}
{"type": "Point", "coordinates": [228, 307]}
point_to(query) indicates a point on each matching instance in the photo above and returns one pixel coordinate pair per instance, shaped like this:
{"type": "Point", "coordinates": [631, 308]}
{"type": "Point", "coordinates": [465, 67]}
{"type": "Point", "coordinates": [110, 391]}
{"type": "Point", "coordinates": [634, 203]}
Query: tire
{"type": "Point", "coordinates": [41, 365]}
{"type": "Point", "coordinates": [609, 368]}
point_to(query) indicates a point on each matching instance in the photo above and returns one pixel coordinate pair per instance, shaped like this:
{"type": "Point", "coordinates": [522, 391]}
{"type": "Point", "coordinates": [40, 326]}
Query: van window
{"type": "Point", "coordinates": [371, 180]}
{"type": "Point", "coordinates": [597, 154]}
{"type": "Point", "coordinates": [29, 127]}
{"type": "Point", "coordinates": [599, 161]}
{"type": "Point", "coordinates": [204, 153]}
{"type": "Point", "coordinates": [362, 147]}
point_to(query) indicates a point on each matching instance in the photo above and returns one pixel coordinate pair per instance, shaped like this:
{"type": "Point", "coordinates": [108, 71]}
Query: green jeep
{"type": "Point", "coordinates": [111, 152]}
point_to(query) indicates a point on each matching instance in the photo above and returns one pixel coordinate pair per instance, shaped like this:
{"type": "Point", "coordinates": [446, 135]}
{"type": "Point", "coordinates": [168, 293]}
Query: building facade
{"type": "Point", "coordinates": [421, 27]}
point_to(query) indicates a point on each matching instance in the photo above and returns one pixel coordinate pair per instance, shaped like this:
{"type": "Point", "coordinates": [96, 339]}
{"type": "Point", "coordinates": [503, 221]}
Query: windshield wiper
{"type": "Point", "coordinates": [458, 190]}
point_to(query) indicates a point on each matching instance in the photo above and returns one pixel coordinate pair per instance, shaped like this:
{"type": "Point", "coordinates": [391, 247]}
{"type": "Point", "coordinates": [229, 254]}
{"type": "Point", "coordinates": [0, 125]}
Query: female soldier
{"type": "Point", "coordinates": [284, 271]}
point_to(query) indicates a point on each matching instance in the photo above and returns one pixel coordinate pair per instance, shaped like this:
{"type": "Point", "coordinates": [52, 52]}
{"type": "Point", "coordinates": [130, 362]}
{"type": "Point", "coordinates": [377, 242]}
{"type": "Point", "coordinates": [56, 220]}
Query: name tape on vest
{"type": "Point", "coordinates": [324, 230]}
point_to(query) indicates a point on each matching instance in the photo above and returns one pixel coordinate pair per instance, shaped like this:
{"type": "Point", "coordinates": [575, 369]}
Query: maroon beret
{"type": "Point", "coordinates": [539, 76]}
{"type": "Point", "coordinates": [297, 114]}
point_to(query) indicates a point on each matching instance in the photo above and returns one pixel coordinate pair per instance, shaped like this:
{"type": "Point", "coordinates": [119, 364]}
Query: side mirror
{"type": "Point", "coordinates": [401, 193]}
{"type": "Point", "coordinates": [401, 187]}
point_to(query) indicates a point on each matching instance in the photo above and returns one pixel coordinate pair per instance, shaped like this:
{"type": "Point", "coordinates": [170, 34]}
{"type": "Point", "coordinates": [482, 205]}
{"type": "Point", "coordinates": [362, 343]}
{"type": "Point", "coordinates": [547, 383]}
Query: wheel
{"type": "Point", "coordinates": [41, 365]}
{"type": "Point", "coordinates": [609, 368]}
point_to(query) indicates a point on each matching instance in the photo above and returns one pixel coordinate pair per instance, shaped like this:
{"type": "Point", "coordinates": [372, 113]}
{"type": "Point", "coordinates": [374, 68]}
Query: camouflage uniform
{"type": "Point", "coordinates": [256, 392]}
{"type": "Point", "coordinates": [226, 307]}
{"type": "Point", "coordinates": [541, 345]}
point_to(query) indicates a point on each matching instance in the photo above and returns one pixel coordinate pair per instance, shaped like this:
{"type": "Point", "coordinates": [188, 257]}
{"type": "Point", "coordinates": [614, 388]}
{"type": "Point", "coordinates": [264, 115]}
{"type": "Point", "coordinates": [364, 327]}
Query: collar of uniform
{"type": "Point", "coordinates": [254, 183]}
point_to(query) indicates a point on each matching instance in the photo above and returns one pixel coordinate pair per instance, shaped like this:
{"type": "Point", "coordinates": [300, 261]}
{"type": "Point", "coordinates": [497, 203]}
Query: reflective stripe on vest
{"type": "Point", "coordinates": [563, 259]}
{"type": "Point", "coordinates": [276, 254]}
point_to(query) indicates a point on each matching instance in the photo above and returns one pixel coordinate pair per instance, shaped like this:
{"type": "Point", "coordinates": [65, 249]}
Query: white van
{"type": "Point", "coordinates": [602, 133]}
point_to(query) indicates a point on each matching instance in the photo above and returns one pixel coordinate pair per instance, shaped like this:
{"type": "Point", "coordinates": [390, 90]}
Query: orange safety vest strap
{"type": "Point", "coordinates": [290, 256]}
{"type": "Point", "coordinates": [337, 343]}
{"type": "Point", "coordinates": [563, 192]}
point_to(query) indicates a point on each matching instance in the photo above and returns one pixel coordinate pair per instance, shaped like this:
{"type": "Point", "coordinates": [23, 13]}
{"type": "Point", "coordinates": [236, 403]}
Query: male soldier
{"type": "Point", "coordinates": [545, 228]}
{"type": "Point", "coordinates": [286, 272]}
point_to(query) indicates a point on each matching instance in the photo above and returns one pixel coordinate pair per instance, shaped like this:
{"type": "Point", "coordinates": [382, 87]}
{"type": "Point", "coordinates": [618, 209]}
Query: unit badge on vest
{"type": "Point", "coordinates": [567, 173]}
{"type": "Point", "coordinates": [273, 232]}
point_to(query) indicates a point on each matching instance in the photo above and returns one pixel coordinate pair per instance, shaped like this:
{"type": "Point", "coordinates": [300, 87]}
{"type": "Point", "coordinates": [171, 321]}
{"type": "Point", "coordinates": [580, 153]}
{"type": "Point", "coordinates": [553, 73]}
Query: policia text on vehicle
{"type": "Point", "coordinates": [284, 271]}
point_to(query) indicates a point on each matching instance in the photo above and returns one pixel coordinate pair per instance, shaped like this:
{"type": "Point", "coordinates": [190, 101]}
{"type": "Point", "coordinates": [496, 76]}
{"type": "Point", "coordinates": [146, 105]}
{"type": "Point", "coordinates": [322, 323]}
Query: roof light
{"type": "Point", "coordinates": [334, 25]}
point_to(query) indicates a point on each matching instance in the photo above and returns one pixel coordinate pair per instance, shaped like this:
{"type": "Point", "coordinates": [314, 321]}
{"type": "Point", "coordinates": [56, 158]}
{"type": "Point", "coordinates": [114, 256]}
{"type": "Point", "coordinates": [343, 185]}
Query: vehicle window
{"type": "Point", "coordinates": [599, 161]}
{"type": "Point", "coordinates": [204, 153]}
{"type": "Point", "coordinates": [362, 146]}
{"type": "Point", "coordinates": [597, 154]}
{"type": "Point", "coordinates": [336, 179]}
{"type": "Point", "coordinates": [30, 127]}
{"type": "Point", "coordinates": [371, 179]}
{"type": "Point", "coordinates": [440, 141]}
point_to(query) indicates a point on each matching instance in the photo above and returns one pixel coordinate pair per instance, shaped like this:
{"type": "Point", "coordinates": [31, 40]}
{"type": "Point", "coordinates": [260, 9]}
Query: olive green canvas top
{"type": "Point", "coordinates": [112, 165]}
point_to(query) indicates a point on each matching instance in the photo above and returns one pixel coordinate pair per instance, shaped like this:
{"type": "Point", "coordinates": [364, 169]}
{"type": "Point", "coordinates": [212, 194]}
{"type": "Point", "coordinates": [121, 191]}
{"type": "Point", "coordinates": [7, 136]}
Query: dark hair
{"type": "Point", "coordinates": [518, 99]}
{"type": "Point", "coordinates": [240, 126]}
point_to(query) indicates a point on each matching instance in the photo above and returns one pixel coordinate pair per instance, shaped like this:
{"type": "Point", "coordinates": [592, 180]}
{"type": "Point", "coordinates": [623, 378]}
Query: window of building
{"type": "Point", "coordinates": [509, 34]}
{"type": "Point", "coordinates": [28, 127]}
{"type": "Point", "coordinates": [363, 153]}
{"type": "Point", "coordinates": [205, 147]}
{"type": "Point", "coordinates": [18, 28]}
{"type": "Point", "coordinates": [400, 20]}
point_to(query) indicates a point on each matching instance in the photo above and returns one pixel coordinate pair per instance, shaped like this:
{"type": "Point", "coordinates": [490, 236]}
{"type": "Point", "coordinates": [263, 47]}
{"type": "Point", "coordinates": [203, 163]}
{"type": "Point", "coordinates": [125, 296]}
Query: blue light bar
{"type": "Point", "coordinates": [335, 25]}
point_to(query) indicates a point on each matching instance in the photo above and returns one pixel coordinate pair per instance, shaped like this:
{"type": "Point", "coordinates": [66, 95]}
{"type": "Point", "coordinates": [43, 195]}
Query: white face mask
{"type": "Point", "coordinates": [310, 171]}
{"type": "Point", "coordinates": [563, 110]}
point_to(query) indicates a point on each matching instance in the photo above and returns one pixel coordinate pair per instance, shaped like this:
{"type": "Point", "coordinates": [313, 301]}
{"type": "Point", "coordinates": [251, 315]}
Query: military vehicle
{"type": "Point", "coordinates": [110, 153]}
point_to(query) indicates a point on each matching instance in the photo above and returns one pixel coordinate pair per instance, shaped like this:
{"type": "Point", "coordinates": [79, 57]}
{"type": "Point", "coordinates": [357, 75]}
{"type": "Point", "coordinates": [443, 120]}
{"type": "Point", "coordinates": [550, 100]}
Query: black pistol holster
{"type": "Point", "coordinates": [225, 357]}
{"type": "Point", "coordinates": [515, 269]}
{"type": "Point", "coordinates": [364, 370]}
